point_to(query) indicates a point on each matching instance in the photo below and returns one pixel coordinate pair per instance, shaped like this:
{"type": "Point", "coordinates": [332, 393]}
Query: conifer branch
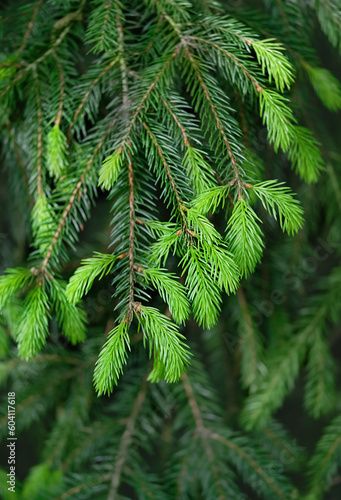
{"type": "Point", "coordinates": [34, 64]}
{"type": "Point", "coordinates": [145, 97]}
{"type": "Point", "coordinates": [234, 59]}
{"type": "Point", "coordinates": [122, 60]}
{"type": "Point", "coordinates": [132, 222]}
{"type": "Point", "coordinates": [255, 466]}
{"type": "Point", "coordinates": [202, 431]}
{"type": "Point", "coordinates": [30, 26]}
{"type": "Point", "coordinates": [83, 486]}
{"type": "Point", "coordinates": [168, 99]}
{"type": "Point", "coordinates": [76, 193]}
{"type": "Point", "coordinates": [125, 442]}
{"type": "Point", "coordinates": [88, 92]}
{"type": "Point", "coordinates": [175, 118]}
{"type": "Point", "coordinates": [39, 137]}
{"type": "Point", "coordinates": [169, 175]}
{"type": "Point", "coordinates": [218, 124]}
{"type": "Point", "coordinates": [105, 22]}
{"type": "Point", "coordinates": [62, 89]}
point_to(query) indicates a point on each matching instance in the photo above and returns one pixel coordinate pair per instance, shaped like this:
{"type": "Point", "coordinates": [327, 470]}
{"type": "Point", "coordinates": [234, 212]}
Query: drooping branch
{"type": "Point", "coordinates": [90, 89]}
{"type": "Point", "coordinates": [105, 22]}
{"type": "Point", "coordinates": [231, 56]}
{"type": "Point", "coordinates": [207, 434]}
{"type": "Point", "coordinates": [145, 97]}
{"type": "Point", "coordinates": [255, 466]}
{"type": "Point", "coordinates": [74, 196]}
{"type": "Point", "coordinates": [202, 431]}
{"type": "Point", "coordinates": [30, 26]}
{"type": "Point", "coordinates": [125, 442]}
{"type": "Point", "coordinates": [218, 122]}
{"type": "Point", "coordinates": [168, 172]}
{"type": "Point", "coordinates": [175, 118]}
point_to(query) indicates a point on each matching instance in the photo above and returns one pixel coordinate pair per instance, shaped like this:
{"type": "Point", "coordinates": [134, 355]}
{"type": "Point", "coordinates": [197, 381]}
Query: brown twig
{"type": "Point", "coordinates": [62, 89]}
{"type": "Point", "coordinates": [131, 239]}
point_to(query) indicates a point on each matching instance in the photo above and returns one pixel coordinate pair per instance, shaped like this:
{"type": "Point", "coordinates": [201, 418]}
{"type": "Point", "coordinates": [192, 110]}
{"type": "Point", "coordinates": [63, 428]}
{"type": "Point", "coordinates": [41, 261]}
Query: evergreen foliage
{"type": "Point", "coordinates": [160, 349]}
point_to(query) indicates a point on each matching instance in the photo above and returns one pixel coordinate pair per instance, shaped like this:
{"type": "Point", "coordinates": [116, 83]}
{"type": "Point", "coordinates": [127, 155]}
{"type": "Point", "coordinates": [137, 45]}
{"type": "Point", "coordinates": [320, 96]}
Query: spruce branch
{"type": "Point", "coordinates": [62, 89]}
{"type": "Point", "coordinates": [39, 136]}
{"type": "Point", "coordinates": [245, 237]}
{"type": "Point", "coordinates": [203, 433]}
{"type": "Point", "coordinates": [274, 194]}
{"type": "Point", "coordinates": [257, 86]}
{"type": "Point", "coordinates": [145, 96]}
{"type": "Point", "coordinates": [131, 240]}
{"type": "Point", "coordinates": [175, 118]}
{"type": "Point", "coordinates": [168, 172]}
{"type": "Point", "coordinates": [91, 268]}
{"type": "Point", "coordinates": [126, 441]}
{"type": "Point", "coordinates": [253, 464]}
{"type": "Point", "coordinates": [166, 344]}
{"type": "Point", "coordinates": [33, 65]}
{"type": "Point", "coordinates": [218, 122]}
{"type": "Point", "coordinates": [113, 356]}
{"type": "Point", "coordinates": [76, 193]}
{"type": "Point", "coordinates": [30, 26]}
{"type": "Point", "coordinates": [280, 377]}
{"type": "Point", "coordinates": [93, 84]}
{"type": "Point", "coordinates": [324, 463]}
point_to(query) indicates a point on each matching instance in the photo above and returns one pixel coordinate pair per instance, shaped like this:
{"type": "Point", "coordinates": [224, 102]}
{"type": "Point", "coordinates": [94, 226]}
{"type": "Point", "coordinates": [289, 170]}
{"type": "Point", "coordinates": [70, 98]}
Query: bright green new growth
{"type": "Point", "coordinates": [40, 474]}
{"type": "Point", "coordinates": [71, 317]}
{"type": "Point", "coordinates": [110, 170]}
{"type": "Point", "coordinates": [245, 237]}
{"type": "Point", "coordinates": [34, 327]}
{"type": "Point", "coordinates": [270, 55]}
{"type": "Point", "coordinates": [84, 277]}
{"type": "Point", "coordinates": [171, 291]}
{"type": "Point", "coordinates": [211, 199]}
{"type": "Point", "coordinates": [198, 170]}
{"type": "Point", "coordinates": [12, 281]}
{"type": "Point", "coordinates": [56, 152]}
{"type": "Point", "coordinates": [113, 356]}
{"type": "Point", "coordinates": [274, 195]}
{"type": "Point", "coordinates": [165, 345]}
